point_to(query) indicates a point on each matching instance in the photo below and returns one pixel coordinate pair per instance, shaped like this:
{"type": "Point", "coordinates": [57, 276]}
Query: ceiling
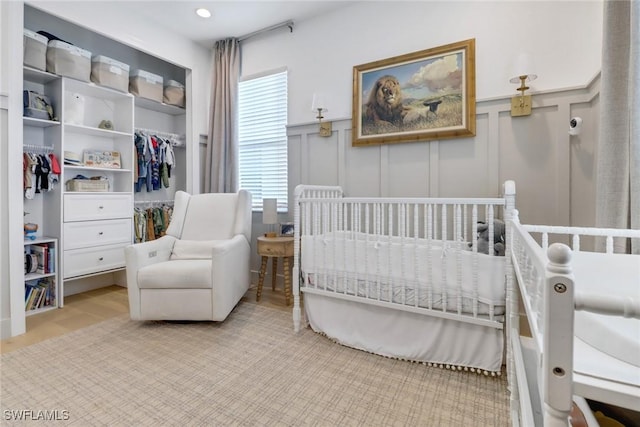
{"type": "Point", "coordinates": [229, 18]}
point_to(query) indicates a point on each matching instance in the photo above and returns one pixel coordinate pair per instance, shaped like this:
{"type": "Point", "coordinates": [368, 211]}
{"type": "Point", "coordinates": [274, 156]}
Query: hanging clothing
{"type": "Point", "coordinates": [155, 160]}
{"type": "Point", "coordinates": [40, 172]}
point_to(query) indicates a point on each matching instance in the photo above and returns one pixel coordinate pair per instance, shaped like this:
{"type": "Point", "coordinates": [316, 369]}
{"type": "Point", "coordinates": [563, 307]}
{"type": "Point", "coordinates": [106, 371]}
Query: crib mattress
{"type": "Point", "coordinates": [398, 270]}
{"type": "Point", "coordinates": [610, 274]}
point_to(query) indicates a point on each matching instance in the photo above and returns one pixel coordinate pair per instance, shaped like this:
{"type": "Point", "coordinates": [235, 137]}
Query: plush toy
{"type": "Point", "coordinates": [498, 237]}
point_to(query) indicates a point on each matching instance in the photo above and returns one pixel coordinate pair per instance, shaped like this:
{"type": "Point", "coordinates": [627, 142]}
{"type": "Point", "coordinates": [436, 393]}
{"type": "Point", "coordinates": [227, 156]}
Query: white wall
{"type": "Point", "coordinates": [563, 37]}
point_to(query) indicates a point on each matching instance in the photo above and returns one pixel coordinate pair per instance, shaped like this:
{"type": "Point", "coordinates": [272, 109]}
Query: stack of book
{"type": "Point", "coordinates": [39, 293]}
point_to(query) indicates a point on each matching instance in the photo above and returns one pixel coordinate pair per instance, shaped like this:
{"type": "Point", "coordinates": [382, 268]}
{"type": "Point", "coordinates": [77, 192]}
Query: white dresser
{"type": "Point", "coordinates": [96, 230]}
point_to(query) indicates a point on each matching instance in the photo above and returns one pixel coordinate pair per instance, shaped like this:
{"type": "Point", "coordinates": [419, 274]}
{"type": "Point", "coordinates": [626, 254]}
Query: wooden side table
{"type": "Point", "coordinates": [275, 247]}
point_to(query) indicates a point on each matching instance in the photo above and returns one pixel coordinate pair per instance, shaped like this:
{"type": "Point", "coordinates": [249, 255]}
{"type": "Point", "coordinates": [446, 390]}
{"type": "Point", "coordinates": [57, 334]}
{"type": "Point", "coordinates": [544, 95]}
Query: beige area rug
{"type": "Point", "coordinates": [250, 370]}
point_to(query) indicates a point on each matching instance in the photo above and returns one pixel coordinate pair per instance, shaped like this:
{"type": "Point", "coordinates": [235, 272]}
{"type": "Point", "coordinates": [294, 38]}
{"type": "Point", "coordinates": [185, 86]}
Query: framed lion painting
{"type": "Point", "coordinates": [419, 96]}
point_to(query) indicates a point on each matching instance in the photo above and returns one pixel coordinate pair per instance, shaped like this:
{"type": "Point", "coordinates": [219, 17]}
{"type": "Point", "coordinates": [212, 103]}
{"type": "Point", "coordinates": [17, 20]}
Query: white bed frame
{"type": "Point", "coordinates": [544, 378]}
{"type": "Point", "coordinates": [433, 332]}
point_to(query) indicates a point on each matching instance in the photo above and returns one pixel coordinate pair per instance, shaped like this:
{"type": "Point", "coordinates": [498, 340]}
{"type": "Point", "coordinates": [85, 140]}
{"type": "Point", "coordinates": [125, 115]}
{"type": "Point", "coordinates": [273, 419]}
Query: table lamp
{"type": "Point", "coordinates": [270, 215]}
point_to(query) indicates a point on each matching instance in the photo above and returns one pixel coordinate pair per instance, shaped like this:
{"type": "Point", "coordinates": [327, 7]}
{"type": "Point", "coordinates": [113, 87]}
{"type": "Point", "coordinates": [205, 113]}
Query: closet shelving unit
{"type": "Point", "coordinates": [97, 225]}
{"type": "Point", "coordinates": [43, 137]}
{"type": "Point", "coordinates": [51, 298]}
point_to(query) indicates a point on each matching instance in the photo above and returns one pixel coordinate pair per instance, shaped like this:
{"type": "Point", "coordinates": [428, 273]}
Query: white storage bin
{"type": "Point", "coordinates": [174, 94]}
{"type": "Point", "coordinates": [68, 60]}
{"type": "Point", "coordinates": [35, 50]}
{"type": "Point", "coordinates": [110, 73]}
{"type": "Point", "coordinates": [146, 85]}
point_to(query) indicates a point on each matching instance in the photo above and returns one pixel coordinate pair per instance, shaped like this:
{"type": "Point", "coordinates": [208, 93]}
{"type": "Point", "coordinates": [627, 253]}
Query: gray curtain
{"type": "Point", "coordinates": [221, 171]}
{"type": "Point", "coordinates": [618, 155]}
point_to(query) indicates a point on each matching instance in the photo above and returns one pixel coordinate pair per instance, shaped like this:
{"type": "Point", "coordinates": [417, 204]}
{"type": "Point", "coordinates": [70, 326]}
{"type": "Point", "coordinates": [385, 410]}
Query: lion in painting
{"type": "Point", "coordinates": [384, 106]}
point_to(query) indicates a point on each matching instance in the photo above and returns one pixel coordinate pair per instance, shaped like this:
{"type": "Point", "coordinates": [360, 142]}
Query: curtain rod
{"type": "Point", "coordinates": [288, 23]}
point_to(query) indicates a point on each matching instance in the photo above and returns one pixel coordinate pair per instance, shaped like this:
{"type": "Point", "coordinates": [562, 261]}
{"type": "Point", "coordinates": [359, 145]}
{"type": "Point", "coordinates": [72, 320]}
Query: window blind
{"type": "Point", "coordinates": [262, 135]}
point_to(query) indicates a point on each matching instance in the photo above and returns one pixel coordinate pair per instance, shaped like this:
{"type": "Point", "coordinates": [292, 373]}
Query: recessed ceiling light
{"type": "Point", "coordinates": [203, 13]}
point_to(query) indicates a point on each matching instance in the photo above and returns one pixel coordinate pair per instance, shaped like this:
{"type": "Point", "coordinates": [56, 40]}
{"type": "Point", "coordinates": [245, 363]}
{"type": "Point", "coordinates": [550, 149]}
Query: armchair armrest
{"type": "Point", "coordinates": [230, 274]}
{"type": "Point", "coordinates": [141, 255]}
{"type": "Point", "coordinates": [147, 253]}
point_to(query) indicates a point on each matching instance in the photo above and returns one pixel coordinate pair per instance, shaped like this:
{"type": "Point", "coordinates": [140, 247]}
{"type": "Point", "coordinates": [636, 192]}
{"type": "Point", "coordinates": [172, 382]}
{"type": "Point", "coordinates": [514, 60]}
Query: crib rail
{"type": "Point", "coordinates": [544, 278]}
{"type": "Point", "coordinates": [610, 235]}
{"type": "Point", "coordinates": [400, 253]}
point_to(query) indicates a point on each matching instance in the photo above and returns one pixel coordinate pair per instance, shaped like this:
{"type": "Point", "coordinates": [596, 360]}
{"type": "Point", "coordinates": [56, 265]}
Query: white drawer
{"type": "Point", "coordinates": [82, 207]}
{"type": "Point", "coordinates": [78, 262]}
{"type": "Point", "coordinates": [84, 234]}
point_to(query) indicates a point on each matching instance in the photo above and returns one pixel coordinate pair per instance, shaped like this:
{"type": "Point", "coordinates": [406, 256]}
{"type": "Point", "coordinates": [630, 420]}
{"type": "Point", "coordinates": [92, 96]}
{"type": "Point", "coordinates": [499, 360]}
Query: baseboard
{"type": "Point", "coordinates": [77, 286]}
{"type": "Point", "coordinates": [5, 328]}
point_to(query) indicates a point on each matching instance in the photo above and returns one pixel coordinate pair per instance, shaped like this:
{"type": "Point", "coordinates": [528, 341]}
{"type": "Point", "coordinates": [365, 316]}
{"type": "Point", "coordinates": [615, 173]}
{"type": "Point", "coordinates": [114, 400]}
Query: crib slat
{"type": "Point", "coordinates": [459, 255]}
{"type": "Point", "coordinates": [444, 259]}
{"type": "Point", "coordinates": [430, 238]}
{"type": "Point", "coordinates": [416, 261]}
{"type": "Point", "coordinates": [474, 262]}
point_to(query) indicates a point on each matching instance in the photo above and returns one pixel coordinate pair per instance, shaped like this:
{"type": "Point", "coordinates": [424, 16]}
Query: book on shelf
{"type": "Point", "coordinates": [34, 294]}
{"type": "Point", "coordinates": [52, 259]}
{"type": "Point", "coordinates": [27, 296]}
{"type": "Point", "coordinates": [46, 257]}
{"type": "Point", "coordinates": [41, 292]}
{"type": "Point", "coordinates": [41, 253]}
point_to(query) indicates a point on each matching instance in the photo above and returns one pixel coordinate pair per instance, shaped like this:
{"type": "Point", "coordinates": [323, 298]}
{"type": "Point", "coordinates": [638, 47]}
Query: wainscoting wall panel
{"type": "Point", "coordinates": [553, 171]}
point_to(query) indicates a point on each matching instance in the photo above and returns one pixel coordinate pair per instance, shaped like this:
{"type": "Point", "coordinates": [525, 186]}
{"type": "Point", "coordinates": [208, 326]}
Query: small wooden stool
{"type": "Point", "coordinates": [275, 247]}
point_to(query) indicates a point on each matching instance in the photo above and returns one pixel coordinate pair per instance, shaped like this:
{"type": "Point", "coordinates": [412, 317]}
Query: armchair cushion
{"type": "Point", "coordinates": [176, 274]}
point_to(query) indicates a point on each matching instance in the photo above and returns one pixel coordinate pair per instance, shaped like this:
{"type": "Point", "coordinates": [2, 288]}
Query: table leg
{"type": "Point", "coordinates": [274, 270]}
{"type": "Point", "coordinates": [263, 269]}
{"type": "Point", "coordinates": [287, 280]}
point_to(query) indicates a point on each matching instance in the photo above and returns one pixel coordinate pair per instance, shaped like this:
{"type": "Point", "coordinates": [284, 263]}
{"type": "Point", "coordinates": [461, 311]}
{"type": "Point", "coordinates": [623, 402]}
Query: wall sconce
{"type": "Point", "coordinates": [319, 106]}
{"type": "Point", "coordinates": [270, 215]}
{"type": "Point", "coordinates": [523, 72]}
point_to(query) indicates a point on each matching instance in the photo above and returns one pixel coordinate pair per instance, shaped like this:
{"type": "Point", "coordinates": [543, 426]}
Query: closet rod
{"type": "Point", "coordinates": [152, 202]}
{"type": "Point", "coordinates": [288, 23]}
{"type": "Point", "coordinates": [159, 133]}
{"type": "Point", "coordinates": [37, 148]}
{"type": "Point", "coordinates": [177, 140]}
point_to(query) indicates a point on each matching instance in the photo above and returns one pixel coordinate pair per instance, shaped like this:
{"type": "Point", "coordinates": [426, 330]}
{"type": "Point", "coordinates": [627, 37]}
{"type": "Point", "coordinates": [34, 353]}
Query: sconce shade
{"type": "Point", "coordinates": [523, 66]}
{"type": "Point", "coordinates": [269, 211]}
{"type": "Point", "coordinates": [318, 103]}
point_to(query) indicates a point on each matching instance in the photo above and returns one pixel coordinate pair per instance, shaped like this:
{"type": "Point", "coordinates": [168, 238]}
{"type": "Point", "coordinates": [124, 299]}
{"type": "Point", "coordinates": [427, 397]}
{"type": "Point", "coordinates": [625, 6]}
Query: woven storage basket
{"type": "Point", "coordinates": [87, 185]}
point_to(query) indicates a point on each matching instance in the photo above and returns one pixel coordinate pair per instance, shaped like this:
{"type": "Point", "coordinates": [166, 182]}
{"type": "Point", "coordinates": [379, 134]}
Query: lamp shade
{"type": "Point", "coordinates": [269, 211]}
{"type": "Point", "coordinates": [318, 103]}
{"type": "Point", "coordinates": [523, 66]}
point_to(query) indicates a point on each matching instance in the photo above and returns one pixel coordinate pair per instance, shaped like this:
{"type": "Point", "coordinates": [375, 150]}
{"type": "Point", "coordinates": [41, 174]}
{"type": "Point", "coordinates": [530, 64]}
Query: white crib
{"type": "Point", "coordinates": [583, 311]}
{"type": "Point", "coordinates": [402, 278]}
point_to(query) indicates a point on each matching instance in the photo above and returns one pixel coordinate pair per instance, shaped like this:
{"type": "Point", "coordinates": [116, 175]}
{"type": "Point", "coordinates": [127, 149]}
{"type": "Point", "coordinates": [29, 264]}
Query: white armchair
{"type": "Point", "coordinates": [199, 270]}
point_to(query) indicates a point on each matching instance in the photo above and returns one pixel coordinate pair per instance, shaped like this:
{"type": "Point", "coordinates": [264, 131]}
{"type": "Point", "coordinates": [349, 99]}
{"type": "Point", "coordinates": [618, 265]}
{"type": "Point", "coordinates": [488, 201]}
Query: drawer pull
{"type": "Point", "coordinates": [101, 259]}
{"type": "Point", "coordinates": [100, 233]}
{"type": "Point", "coordinates": [100, 207]}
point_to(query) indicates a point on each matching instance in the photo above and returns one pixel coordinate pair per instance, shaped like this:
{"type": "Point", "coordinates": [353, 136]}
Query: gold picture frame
{"type": "Point", "coordinates": [420, 96]}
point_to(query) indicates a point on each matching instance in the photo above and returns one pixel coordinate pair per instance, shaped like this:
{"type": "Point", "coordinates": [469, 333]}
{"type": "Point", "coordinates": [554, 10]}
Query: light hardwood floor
{"type": "Point", "coordinates": [88, 308]}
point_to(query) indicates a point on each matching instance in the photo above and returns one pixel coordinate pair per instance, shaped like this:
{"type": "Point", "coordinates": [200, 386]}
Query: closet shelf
{"type": "Point", "coordinates": [40, 123]}
{"type": "Point", "coordinates": [37, 76]}
{"type": "Point", "coordinates": [87, 130]}
{"type": "Point", "coordinates": [89, 168]}
{"type": "Point", "coordinates": [159, 106]}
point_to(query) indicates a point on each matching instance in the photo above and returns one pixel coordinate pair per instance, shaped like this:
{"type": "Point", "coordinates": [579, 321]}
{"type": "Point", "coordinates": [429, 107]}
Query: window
{"type": "Point", "coordinates": [262, 135]}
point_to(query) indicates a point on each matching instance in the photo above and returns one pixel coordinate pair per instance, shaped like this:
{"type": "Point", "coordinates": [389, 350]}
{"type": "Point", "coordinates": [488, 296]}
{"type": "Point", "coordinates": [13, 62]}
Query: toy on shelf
{"type": "Point", "coordinates": [30, 230]}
